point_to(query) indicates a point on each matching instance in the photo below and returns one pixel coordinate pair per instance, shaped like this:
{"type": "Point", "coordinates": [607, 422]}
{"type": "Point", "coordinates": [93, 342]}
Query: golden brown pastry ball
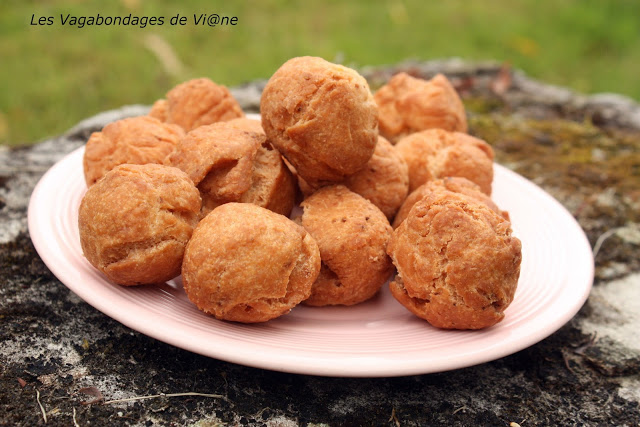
{"type": "Point", "coordinates": [436, 153]}
{"type": "Point", "coordinates": [136, 140]}
{"type": "Point", "coordinates": [321, 117]}
{"type": "Point", "coordinates": [135, 223]}
{"type": "Point", "coordinates": [407, 104]}
{"type": "Point", "coordinates": [352, 235]}
{"type": "Point", "coordinates": [384, 181]}
{"type": "Point", "coordinates": [247, 264]}
{"type": "Point", "coordinates": [229, 164]}
{"type": "Point", "coordinates": [455, 184]}
{"type": "Point", "coordinates": [195, 103]}
{"type": "Point", "coordinates": [458, 264]}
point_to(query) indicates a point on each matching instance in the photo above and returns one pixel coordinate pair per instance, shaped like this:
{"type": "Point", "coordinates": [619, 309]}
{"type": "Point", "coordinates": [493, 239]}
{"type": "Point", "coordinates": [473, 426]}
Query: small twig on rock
{"type": "Point", "coordinates": [153, 396]}
{"type": "Point", "coordinates": [566, 362]}
{"type": "Point", "coordinates": [44, 413]}
{"type": "Point", "coordinates": [585, 345]}
{"type": "Point", "coordinates": [394, 417]}
{"type": "Point", "coordinates": [462, 408]}
{"type": "Point", "coordinates": [75, 422]}
{"type": "Point", "coordinates": [604, 236]}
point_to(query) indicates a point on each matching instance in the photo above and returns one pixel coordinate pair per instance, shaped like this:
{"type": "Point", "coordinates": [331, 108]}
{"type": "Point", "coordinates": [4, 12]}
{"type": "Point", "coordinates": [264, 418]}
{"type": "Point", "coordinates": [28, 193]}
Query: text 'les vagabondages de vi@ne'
{"type": "Point", "coordinates": [130, 20]}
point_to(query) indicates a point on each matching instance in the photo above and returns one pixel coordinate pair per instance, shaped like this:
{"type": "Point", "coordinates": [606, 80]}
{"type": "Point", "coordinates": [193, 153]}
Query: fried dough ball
{"type": "Point", "coordinates": [458, 264]}
{"type": "Point", "coordinates": [136, 140]}
{"type": "Point", "coordinates": [229, 164]}
{"type": "Point", "coordinates": [321, 117]}
{"type": "Point", "coordinates": [455, 184]}
{"type": "Point", "coordinates": [384, 181]}
{"type": "Point", "coordinates": [195, 103]}
{"type": "Point", "coordinates": [352, 235]}
{"type": "Point", "coordinates": [436, 153]}
{"type": "Point", "coordinates": [247, 264]}
{"type": "Point", "coordinates": [135, 223]}
{"type": "Point", "coordinates": [407, 104]}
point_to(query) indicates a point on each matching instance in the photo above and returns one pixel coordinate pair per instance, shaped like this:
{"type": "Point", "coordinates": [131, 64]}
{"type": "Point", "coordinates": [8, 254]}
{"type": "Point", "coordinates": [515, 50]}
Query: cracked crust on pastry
{"type": "Point", "coordinates": [436, 153]}
{"type": "Point", "coordinates": [247, 264]}
{"type": "Point", "coordinates": [408, 104]}
{"type": "Point", "coordinates": [455, 184]}
{"type": "Point", "coordinates": [134, 223]}
{"type": "Point", "coordinates": [230, 164]}
{"type": "Point", "coordinates": [321, 117]}
{"type": "Point", "coordinates": [458, 264]}
{"type": "Point", "coordinates": [352, 235]}
{"type": "Point", "coordinates": [196, 103]}
{"type": "Point", "coordinates": [246, 123]}
{"type": "Point", "coordinates": [135, 140]}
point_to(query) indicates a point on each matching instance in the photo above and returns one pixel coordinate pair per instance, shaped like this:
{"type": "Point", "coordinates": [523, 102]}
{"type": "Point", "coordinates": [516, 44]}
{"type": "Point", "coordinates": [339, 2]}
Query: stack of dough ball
{"type": "Point", "coordinates": [196, 103]}
{"type": "Point", "coordinates": [408, 104]}
{"type": "Point", "coordinates": [137, 140]}
{"type": "Point", "coordinates": [458, 264]}
{"type": "Point", "coordinates": [455, 184]}
{"type": "Point", "coordinates": [229, 164]}
{"type": "Point", "coordinates": [437, 153]}
{"type": "Point", "coordinates": [352, 235]}
{"type": "Point", "coordinates": [135, 223]}
{"type": "Point", "coordinates": [321, 117]}
{"type": "Point", "coordinates": [197, 157]}
{"type": "Point", "coordinates": [247, 264]}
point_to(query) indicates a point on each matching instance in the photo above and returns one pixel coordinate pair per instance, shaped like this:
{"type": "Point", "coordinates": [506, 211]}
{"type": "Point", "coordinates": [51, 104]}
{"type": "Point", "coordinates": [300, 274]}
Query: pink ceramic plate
{"type": "Point", "coordinates": [374, 339]}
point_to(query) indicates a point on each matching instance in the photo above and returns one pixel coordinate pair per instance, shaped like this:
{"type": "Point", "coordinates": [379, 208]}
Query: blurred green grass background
{"type": "Point", "coordinates": [53, 76]}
